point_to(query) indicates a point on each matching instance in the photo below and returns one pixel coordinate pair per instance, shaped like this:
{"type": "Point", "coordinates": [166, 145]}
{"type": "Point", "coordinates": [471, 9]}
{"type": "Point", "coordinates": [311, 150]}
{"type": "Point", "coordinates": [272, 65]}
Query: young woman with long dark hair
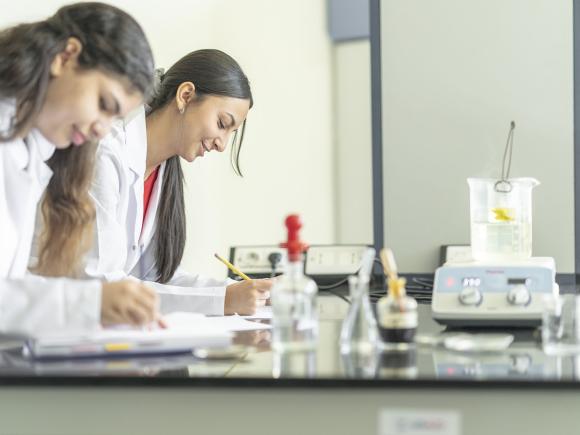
{"type": "Point", "coordinates": [63, 81]}
{"type": "Point", "coordinates": [200, 105]}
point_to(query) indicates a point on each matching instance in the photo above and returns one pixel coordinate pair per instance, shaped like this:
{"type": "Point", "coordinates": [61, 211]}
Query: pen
{"type": "Point", "coordinates": [232, 267]}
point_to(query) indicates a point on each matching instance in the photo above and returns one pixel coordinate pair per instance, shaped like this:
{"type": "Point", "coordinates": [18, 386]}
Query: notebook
{"type": "Point", "coordinates": [181, 336]}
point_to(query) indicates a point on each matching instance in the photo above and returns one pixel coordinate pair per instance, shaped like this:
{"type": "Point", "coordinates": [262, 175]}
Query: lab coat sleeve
{"type": "Point", "coordinates": [107, 256]}
{"type": "Point", "coordinates": [34, 305]}
{"type": "Point", "coordinates": [192, 292]}
{"type": "Point", "coordinates": [205, 300]}
{"type": "Point", "coordinates": [185, 279]}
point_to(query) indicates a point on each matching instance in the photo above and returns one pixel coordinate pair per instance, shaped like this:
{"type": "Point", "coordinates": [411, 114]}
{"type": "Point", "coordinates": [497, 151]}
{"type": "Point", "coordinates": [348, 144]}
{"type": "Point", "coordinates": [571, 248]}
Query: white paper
{"type": "Point", "coordinates": [178, 327]}
{"type": "Point", "coordinates": [237, 323]}
{"type": "Point", "coordinates": [224, 323]}
{"type": "Point", "coordinates": [261, 313]}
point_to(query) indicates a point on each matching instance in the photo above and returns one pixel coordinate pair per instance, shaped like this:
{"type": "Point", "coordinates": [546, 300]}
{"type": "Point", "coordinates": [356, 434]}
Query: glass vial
{"type": "Point", "coordinates": [397, 316]}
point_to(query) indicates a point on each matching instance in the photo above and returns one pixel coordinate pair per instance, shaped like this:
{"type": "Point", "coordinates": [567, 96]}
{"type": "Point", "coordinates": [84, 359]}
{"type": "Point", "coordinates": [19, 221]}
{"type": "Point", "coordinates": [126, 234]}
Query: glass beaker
{"type": "Point", "coordinates": [561, 325]}
{"type": "Point", "coordinates": [501, 218]}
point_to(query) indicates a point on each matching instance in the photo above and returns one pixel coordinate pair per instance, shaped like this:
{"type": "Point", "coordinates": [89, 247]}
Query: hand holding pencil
{"type": "Point", "coordinates": [232, 267]}
{"type": "Point", "coordinates": [246, 296]}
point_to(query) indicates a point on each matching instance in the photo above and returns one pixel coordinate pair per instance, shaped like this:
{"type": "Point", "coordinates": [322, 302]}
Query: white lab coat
{"type": "Point", "coordinates": [31, 304]}
{"type": "Point", "coordinates": [121, 234]}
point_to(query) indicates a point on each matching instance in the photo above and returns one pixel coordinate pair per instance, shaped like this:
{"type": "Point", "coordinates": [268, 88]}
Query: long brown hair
{"type": "Point", "coordinates": [113, 42]}
{"type": "Point", "coordinates": [212, 72]}
{"type": "Point", "coordinates": [67, 212]}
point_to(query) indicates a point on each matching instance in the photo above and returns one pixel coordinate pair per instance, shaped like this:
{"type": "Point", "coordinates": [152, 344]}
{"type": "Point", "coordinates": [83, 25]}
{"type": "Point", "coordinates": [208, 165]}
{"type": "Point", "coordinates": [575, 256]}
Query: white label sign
{"type": "Point", "coordinates": [419, 422]}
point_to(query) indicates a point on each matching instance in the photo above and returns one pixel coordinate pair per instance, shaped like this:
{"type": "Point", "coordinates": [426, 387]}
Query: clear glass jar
{"type": "Point", "coordinates": [397, 316]}
{"type": "Point", "coordinates": [294, 310]}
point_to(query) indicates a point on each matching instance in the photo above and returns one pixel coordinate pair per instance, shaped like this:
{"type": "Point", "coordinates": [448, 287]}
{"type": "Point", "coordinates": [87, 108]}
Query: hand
{"type": "Point", "coordinates": [246, 296]}
{"type": "Point", "coordinates": [128, 301]}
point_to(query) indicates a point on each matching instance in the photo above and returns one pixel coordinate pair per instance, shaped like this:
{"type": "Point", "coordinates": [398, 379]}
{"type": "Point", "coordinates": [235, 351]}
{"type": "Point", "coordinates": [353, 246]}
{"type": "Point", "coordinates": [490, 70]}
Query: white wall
{"type": "Point", "coordinates": [287, 154]}
{"type": "Point", "coordinates": [454, 74]}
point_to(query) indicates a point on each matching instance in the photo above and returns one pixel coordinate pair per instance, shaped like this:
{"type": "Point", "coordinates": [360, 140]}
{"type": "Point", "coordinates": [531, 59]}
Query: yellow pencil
{"type": "Point", "coordinates": [232, 267]}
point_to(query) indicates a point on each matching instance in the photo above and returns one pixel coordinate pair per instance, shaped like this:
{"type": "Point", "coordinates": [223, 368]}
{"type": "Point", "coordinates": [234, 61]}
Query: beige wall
{"type": "Point", "coordinates": [352, 126]}
{"type": "Point", "coordinates": [287, 155]}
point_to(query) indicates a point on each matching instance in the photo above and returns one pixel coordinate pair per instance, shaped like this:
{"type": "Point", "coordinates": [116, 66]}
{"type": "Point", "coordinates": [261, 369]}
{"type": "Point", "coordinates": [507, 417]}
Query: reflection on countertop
{"type": "Point", "coordinates": [523, 361]}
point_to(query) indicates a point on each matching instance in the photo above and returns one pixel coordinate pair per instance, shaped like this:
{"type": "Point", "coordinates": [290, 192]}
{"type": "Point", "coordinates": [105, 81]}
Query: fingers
{"type": "Point", "coordinates": [161, 322]}
{"type": "Point", "coordinates": [246, 296]}
{"type": "Point", "coordinates": [262, 285]}
{"type": "Point", "coordinates": [128, 302]}
{"type": "Point", "coordinates": [148, 293]}
{"type": "Point", "coordinates": [148, 306]}
{"type": "Point", "coordinates": [140, 304]}
{"type": "Point", "coordinates": [112, 316]}
{"type": "Point", "coordinates": [138, 316]}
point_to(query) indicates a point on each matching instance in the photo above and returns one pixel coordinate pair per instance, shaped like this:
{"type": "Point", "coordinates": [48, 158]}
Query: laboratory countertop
{"type": "Point", "coordinates": [522, 365]}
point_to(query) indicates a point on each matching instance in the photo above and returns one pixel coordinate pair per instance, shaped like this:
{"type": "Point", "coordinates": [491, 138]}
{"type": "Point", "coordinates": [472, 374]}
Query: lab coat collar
{"type": "Point", "coordinates": [150, 218]}
{"type": "Point", "coordinates": [136, 143]}
{"type": "Point", "coordinates": [45, 148]}
{"type": "Point", "coordinates": [23, 148]}
{"type": "Point", "coordinates": [34, 144]}
{"type": "Point", "coordinates": [39, 146]}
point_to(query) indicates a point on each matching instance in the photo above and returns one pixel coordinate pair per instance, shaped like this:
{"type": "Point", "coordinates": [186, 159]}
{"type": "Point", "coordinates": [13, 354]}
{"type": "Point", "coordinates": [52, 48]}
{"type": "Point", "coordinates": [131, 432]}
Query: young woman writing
{"type": "Point", "coordinates": [201, 103]}
{"type": "Point", "coordinates": [63, 81]}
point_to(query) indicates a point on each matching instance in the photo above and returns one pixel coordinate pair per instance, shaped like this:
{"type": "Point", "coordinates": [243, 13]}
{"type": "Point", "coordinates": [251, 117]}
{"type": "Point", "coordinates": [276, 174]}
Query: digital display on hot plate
{"type": "Point", "coordinates": [515, 281]}
{"type": "Point", "coordinates": [471, 282]}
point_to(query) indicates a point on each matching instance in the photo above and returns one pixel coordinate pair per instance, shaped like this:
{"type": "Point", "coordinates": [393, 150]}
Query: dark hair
{"type": "Point", "coordinates": [212, 72]}
{"type": "Point", "coordinates": [112, 41]}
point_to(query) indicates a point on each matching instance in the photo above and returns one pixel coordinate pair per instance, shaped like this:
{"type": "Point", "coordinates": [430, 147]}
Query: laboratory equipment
{"type": "Point", "coordinates": [478, 342]}
{"type": "Point", "coordinates": [501, 218]}
{"type": "Point", "coordinates": [359, 331]}
{"type": "Point", "coordinates": [325, 264]}
{"type": "Point", "coordinates": [561, 325]}
{"type": "Point", "coordinates": [501, 213]}
{"type": "Point", "coordinates": [396, 312]}
{"type": "Point", "coordinates": [492, 293]}
{"type": "Point", "coordinates": [293, 298]}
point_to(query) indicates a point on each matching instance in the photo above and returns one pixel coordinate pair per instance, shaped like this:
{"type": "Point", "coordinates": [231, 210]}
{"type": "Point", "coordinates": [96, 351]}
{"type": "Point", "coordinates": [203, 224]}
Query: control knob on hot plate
{"type": "Point", "coordinates": [519, 295]}
{"type": "Point", "coordinates": [470, 296]}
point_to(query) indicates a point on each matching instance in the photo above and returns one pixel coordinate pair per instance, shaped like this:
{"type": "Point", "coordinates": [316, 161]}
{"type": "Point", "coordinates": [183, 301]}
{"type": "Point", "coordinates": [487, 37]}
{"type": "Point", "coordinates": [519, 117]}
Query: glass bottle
{"type": "Point", "coordinates": [397, 316]}
{"type": "Point", "coordinates": [293, 298]}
